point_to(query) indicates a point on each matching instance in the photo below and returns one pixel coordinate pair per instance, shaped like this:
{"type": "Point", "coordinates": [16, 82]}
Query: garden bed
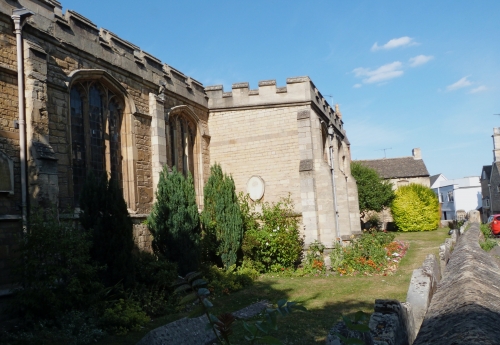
{"type": "Point", "coordinates": [326, 296]}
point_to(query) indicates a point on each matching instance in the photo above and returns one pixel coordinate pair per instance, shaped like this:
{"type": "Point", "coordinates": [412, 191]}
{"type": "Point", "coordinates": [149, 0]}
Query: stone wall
{"type": "Point", "coordinates": [60, 49]}
{"type": "Point", "coordinates": [280, 135]}
{"type": "Point", "coordinates": [64, 49]}
{"type": "Point", "coordinates": [259, 142]}
{"type": "Point", "coordinates": [465, 308]}
{"type": "Point", "coordinates": [10, 225]}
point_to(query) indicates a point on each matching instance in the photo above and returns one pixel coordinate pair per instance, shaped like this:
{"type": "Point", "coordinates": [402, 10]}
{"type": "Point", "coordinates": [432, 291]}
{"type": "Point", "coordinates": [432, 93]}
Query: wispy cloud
{"type": "Point", "coordinates": [356, 86]}
{"type": "Point", "coordinates": [478, 89]}
{"type": "Point", "coordinates": [420, 60]}
{"type": "Point", "coordinates": [383, 73]}
{"type": "Point", "coordinates": [395, 43]}
{"type": "Point", "coordinates": [464, 82]}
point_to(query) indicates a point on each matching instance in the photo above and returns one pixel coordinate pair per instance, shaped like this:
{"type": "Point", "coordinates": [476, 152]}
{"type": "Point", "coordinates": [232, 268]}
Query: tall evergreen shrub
{"type": "Point", "coordinates": [221, 217]}
{"type": "Point", "coordinates": [104, 213]}
{"type": "Point", "coordinates": [415, 208]}
{"type": "Point", "coordinates": [174, 221]}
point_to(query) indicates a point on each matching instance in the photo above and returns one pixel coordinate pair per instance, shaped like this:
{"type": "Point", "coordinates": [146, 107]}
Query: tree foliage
{"type": "Point", "coordinates": [104, 213]}
{"type": "Point", "coordinates": [221, 217]}
{"type": "Point", "coordinates": [415, 208]}
{"type": "Point", "coordinates": [374, 193]}
{"type": "Point", "coordinates": [174, 221]}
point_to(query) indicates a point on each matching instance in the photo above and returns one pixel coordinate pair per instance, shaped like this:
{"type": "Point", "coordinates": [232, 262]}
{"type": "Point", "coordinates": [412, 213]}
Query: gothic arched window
{"type": "Point", "coordinates": [96, 115]}
{"type": "Point", "coordinates": [181, 138]}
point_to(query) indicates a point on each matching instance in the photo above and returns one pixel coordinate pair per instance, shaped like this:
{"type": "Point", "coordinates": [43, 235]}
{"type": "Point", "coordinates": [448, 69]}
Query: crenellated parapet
{"type": "Point", "coordinates": [78, 33]}
{"type": "Point", "coordinates": [298, 90]}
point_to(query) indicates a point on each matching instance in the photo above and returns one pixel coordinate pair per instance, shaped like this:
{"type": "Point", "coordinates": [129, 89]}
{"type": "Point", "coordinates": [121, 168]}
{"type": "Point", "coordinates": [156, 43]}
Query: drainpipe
{"type": "Point", "coordinates": [331, 135]}
{"type": "Point", "coordinates": [18, 17]}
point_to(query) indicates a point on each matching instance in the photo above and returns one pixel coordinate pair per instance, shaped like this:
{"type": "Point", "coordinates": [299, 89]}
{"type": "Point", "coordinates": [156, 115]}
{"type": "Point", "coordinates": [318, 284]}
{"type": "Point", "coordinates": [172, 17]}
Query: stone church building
{"type": "Point", "coordinates": [76, 98]}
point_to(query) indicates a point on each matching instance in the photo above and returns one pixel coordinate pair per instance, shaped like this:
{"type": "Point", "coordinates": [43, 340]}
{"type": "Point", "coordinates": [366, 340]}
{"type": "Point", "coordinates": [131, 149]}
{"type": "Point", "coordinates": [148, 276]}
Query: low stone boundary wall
{"type": "Point", "coordinates": [466, 306]}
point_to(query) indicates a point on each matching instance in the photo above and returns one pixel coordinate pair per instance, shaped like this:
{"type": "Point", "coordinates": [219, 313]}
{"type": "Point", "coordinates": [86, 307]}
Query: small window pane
{"type": "Point", "coordinates": [77, 143]}
{"type": "Point", "coordinates": [115, 142]}
{"type": "Point", "coordinates": [96, 131]}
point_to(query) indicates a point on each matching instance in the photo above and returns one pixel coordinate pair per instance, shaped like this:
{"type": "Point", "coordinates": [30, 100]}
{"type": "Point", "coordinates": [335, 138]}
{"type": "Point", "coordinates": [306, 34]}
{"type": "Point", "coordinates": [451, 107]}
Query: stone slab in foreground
{"type": "Point", "coordinates": [192, 331]}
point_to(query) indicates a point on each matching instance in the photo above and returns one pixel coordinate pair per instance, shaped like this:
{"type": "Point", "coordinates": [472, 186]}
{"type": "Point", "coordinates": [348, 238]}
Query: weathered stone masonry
{"type": "Point", "coordinates": [61, 51]}
{"type": "Point", "coordinates": [280, 135]}
{"type": "Point", "coordinates": [96, 102]}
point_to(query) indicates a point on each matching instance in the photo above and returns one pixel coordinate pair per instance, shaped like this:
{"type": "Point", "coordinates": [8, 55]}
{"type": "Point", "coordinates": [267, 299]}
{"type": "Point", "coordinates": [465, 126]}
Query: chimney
{"type": "Point", "coordinates": [496, 144]}
{"type": "Point", "coordinates": [416, 153]}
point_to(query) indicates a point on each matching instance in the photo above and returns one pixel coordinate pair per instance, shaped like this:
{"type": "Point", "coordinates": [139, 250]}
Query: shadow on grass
{"type": "Point", "coordinates": [309, 327]}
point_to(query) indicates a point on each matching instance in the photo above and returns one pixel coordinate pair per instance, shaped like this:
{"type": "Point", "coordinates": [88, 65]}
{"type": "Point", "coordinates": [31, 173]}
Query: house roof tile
{"type": "Point", "coordinates": [433, 178]}
{"type": "Point", "coordinates": [397, 167]}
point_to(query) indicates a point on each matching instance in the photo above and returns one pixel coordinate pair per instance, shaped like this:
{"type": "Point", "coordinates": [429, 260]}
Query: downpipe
{"type": "Point", "coordinates": [19, 16]}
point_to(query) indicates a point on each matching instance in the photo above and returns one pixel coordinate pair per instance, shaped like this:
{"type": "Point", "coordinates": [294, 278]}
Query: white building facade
{"type": "Point", "coordinates": [457, 196]}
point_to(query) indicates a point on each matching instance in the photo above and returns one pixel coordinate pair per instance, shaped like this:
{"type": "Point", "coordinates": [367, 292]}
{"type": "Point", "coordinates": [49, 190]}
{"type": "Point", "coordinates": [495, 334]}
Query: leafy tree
{"type": "Point", "coordinates": [221, 217]}
{"type": "Point", "coordinates": [104, 213]}
{"type": "Point", "coordinates": [374, 193]}
{"type": "Point", "coordinates": [174, 221]}
{"type": "Point", "coordinates": [415, 208]}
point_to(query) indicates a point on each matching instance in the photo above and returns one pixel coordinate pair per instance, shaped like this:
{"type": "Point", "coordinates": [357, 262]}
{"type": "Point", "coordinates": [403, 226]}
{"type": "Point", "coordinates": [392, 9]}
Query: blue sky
{"type": "Point", "coordinates": [406, 74]}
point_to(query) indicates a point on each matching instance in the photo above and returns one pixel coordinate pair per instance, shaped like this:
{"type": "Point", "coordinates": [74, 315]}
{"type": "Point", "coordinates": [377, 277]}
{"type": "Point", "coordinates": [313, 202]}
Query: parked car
{"type": "Point", "coordinates": [495, 224]}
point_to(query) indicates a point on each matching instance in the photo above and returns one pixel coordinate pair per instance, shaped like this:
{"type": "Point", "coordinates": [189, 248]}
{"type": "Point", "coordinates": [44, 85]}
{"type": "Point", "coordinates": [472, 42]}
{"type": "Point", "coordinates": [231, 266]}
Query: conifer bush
{"type": "Point", "coordinates": [221, 218]}
{"type": "Point", "coordinates": [415, 208]}
{"type": "Point", "coordinates": [174, 221]}
{"type": "Point", "coordinates": [104, 214]}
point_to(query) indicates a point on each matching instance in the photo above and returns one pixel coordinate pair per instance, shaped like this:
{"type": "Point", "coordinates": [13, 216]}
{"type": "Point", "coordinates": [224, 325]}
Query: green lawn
{"type": "Point", "coordinates": [326, 298]}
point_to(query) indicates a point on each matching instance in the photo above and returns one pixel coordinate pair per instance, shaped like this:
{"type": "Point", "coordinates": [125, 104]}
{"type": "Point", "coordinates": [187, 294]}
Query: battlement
{"type": "Point", "coordinates": [73, 29]}
{"type": "Point", "coordinates": [297, 90]}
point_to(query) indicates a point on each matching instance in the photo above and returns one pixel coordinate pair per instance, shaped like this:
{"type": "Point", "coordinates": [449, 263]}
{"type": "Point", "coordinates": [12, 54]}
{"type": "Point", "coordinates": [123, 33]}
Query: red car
{"type": "Point", "coordinates": [495, 224]}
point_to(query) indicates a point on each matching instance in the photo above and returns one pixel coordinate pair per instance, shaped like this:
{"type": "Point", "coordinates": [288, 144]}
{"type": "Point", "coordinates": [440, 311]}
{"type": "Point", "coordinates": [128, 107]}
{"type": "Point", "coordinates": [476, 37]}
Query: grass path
{"type": "Point", "coordinates": [326, 298]}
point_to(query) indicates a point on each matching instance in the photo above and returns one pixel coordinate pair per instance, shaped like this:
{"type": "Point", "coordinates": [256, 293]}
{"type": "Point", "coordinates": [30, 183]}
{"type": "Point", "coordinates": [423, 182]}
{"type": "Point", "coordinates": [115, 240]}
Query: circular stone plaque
{"type": "Point", "coordinates": [255, 188]}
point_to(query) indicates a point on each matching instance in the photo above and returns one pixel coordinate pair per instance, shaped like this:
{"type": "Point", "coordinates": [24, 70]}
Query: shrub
{"type": "Point", "coordinates": [221, 218]}
{"type": "Point", "coordinates": [154, 278]}
{"type": "Point", "coordinates": [174, 221]}
{"type": "Point", "coordinates": [373, 222]}
{"type": "Point", "coordinates": [277, 243]}
{"type": "Point", "coordinates": [123, 316]}
{"type": "Point", "coordinates": [314, 257]}
{"type": "Point", "coordinates": [336, 256]}
{"type": "Point", "coordinates": [154, 269]}
{"type": "Point", "coordinates": [72, 328]}
{"type": "Point", "coordinates": [223, 282]}
{"type": "Point", "coordinates": [54, 269]}
{"type": "Point", "coordinates": [104, 214]}
{"type": "Point", "coordinates": [415, 208]}
{"type": "Point", "coordinates": [488, 243]}
{"type": "Point", "coordinates": [368, 253]}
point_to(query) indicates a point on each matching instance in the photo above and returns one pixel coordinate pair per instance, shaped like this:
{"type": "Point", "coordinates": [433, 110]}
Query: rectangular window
{"type": "Point", "coordinates": [450, 196]}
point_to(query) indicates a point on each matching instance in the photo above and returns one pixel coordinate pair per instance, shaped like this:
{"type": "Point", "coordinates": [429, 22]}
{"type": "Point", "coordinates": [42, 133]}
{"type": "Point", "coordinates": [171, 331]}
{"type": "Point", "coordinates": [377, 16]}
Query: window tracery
{"type": "Point", "coordinates": [96, 115]}
{"type": "Point", "coordinates": [181, 139]}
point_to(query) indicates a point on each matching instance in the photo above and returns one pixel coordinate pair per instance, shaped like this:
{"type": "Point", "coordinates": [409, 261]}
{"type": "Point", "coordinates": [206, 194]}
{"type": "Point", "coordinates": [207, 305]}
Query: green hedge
{"type": "Point", "coordinates": [415, 208]}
